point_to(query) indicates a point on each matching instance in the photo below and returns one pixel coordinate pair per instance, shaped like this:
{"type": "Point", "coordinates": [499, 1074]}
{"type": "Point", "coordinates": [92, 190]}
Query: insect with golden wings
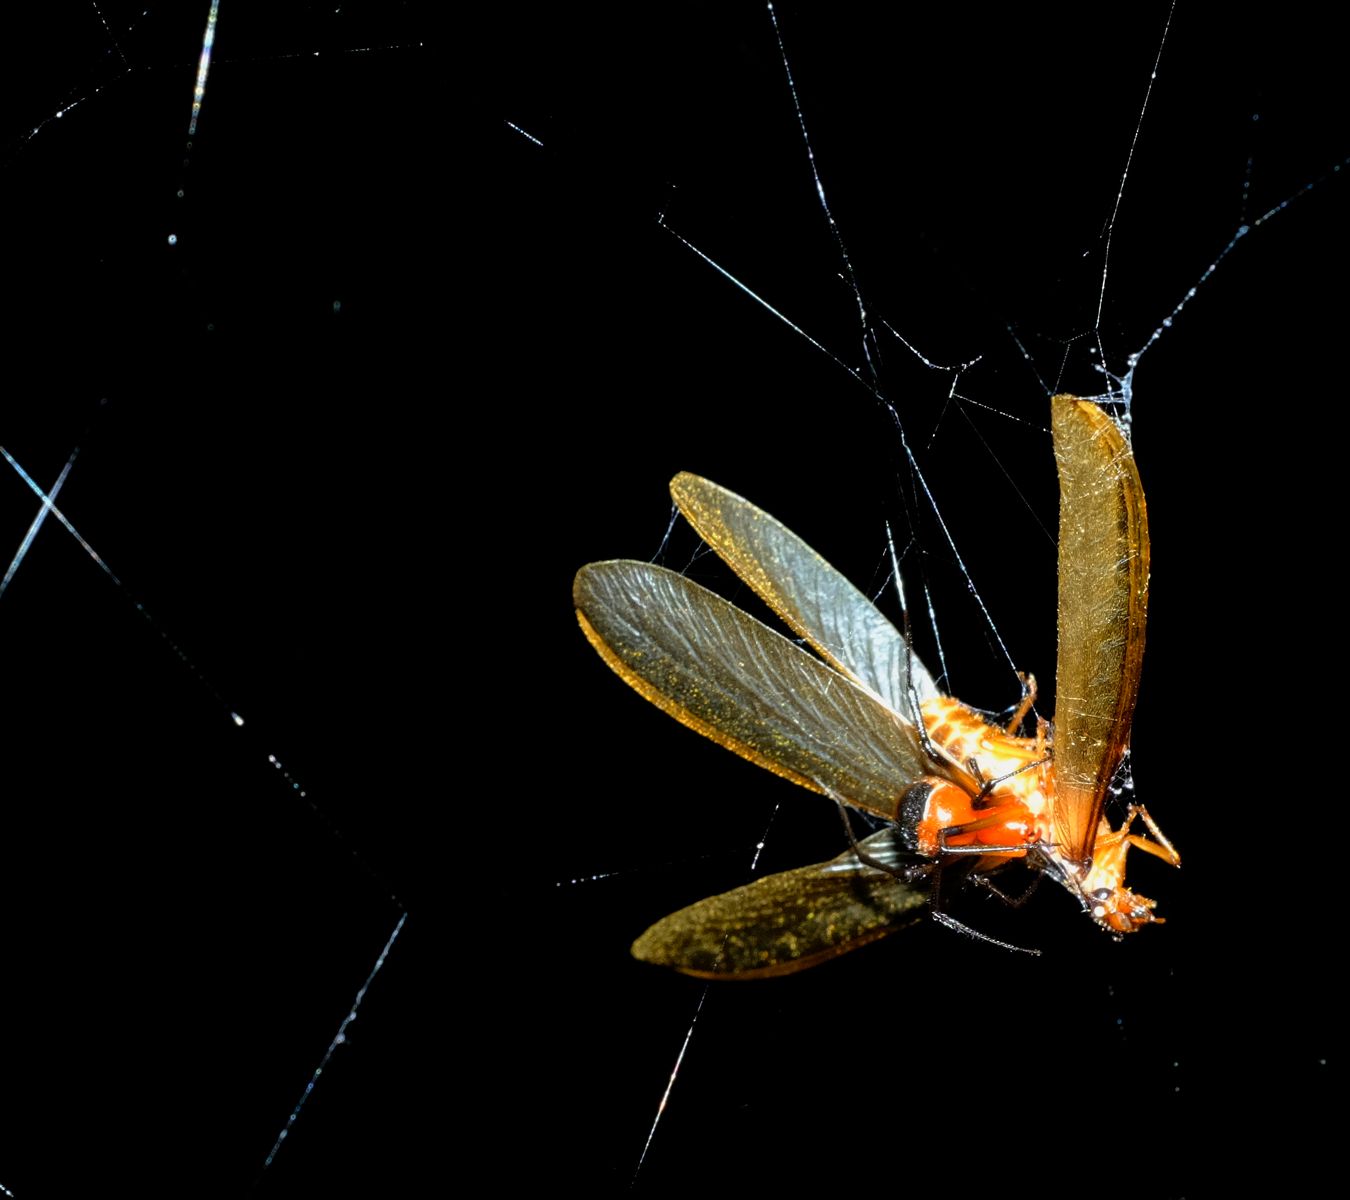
{"type": "Point", "coordinates": [865, 724]}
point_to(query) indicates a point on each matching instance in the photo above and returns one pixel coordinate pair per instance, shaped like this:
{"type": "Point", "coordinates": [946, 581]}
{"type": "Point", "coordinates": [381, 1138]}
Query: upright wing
{"type": "Point", "coordinates": [1103, 599]}
{"type": "Point", "coordinates": [786, 922]}
{"type": "Point", "coordinates": [723, 673]}
{"type": "Point", "coordinates": [820, 605]}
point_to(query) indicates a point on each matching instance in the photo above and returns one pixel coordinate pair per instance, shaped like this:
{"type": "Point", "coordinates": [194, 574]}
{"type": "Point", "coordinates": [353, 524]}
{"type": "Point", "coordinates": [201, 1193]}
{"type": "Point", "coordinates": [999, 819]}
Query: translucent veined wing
{"type": "Point", "coordinates": [1103, 599]}
{"type": "Point", "coordinates": [721, 672]}
{"type": "Point", "coordinates": [786, 922]}
{"type": "Point", "coordinates": [820, 605]}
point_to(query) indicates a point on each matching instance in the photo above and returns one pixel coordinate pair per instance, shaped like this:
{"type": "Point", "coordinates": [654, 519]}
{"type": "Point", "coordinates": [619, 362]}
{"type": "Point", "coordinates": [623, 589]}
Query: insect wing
{"type": "Point", "coordinates": [815, 600]}
{"type": "Point", "coordinates": [1103, 600]}
{"type": "Point", "coordinates": [787, 922]}
{"type": "Point", "coordinates": [721, 672]}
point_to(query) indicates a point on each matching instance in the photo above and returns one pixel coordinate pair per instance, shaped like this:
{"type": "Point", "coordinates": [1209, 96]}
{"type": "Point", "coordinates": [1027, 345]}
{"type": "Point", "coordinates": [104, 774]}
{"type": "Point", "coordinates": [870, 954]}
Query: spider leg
{"type": "Point", "coordinates": [1011, 901]}
{"type": "Point", "coordinates": [974, 934]}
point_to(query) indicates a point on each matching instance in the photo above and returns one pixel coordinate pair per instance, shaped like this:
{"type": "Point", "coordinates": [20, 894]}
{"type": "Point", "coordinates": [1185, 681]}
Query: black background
{"type": "Point", "coordinates": [404, 370]}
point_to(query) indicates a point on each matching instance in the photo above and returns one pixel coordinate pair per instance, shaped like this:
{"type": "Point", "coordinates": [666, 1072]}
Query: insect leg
{"type": "Point", "coordinates": [1160, 847]}
{"type": "Point", "coordinates": [1028, 699]}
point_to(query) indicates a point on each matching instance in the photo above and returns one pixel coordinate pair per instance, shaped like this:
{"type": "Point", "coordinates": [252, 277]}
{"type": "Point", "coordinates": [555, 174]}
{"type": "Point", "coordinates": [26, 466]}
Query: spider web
{"type": "Point", "coordinates": [677, 300]}
{"type": "Point", "coordinates": [218, 583]}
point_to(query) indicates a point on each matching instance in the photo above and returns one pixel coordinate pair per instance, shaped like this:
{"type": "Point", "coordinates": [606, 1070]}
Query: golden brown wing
{"type": "Point", "coordinates": [820, 605]}
{"type": "Point", "coordinates": [784, 923]}
{"type": "Point", "coordinates": [1103, 599]}
{"type": "Point", "coordinates": [723, 673]}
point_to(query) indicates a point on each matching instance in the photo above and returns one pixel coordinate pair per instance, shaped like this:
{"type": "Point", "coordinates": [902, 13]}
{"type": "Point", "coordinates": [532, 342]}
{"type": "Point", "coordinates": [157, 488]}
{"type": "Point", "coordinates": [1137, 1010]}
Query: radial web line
{"type": "Point", "coordinates": [820, 189]}
{"type": "Point", "coordinates": [764, 837]}
{"type": "Point", "coordinates": [951, 541]}
{"type": "Point", "coordinates": [1125, 174]}
{"type": "Point", "coordinates": [760, 300]}
{"type": "Point", "coordinates": [998, 462]}
{"type": "Point", "coordinates": [1242, 231]}
{"type": "Point", "coordinates": [670, 1083]}
{"type": "Point", "coordinates": [524, 133]}
{"type": "Point", "coordinates": [689, 1033]}
{"type": "Point", "coordinates": [111, 36]}
{"type": "Point", "coordinates": [203, 67]}
{"type": "Point", "coordinates": [338, 1039]}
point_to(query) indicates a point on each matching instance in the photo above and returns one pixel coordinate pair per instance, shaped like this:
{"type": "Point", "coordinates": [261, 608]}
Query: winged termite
{"type": "Point", "coordinates": [865, 724]}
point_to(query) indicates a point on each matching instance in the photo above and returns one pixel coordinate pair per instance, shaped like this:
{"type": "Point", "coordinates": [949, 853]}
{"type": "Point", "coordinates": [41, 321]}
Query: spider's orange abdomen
{"type": "Point", "coordinates": [1011, 815]}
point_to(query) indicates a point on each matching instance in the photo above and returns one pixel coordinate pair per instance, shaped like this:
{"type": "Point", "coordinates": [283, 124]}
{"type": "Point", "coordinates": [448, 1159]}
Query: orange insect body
{"type": "Point", "coordinates": [862, 721]}
{"type": "Point", "coordinates": [1016, 818]}
{"type": "Point", "coordinates": [1015, 813]}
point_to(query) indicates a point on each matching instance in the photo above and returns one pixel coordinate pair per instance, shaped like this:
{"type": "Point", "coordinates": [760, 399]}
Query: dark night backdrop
{"type": "Point", "coordinates": [405, 370]}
